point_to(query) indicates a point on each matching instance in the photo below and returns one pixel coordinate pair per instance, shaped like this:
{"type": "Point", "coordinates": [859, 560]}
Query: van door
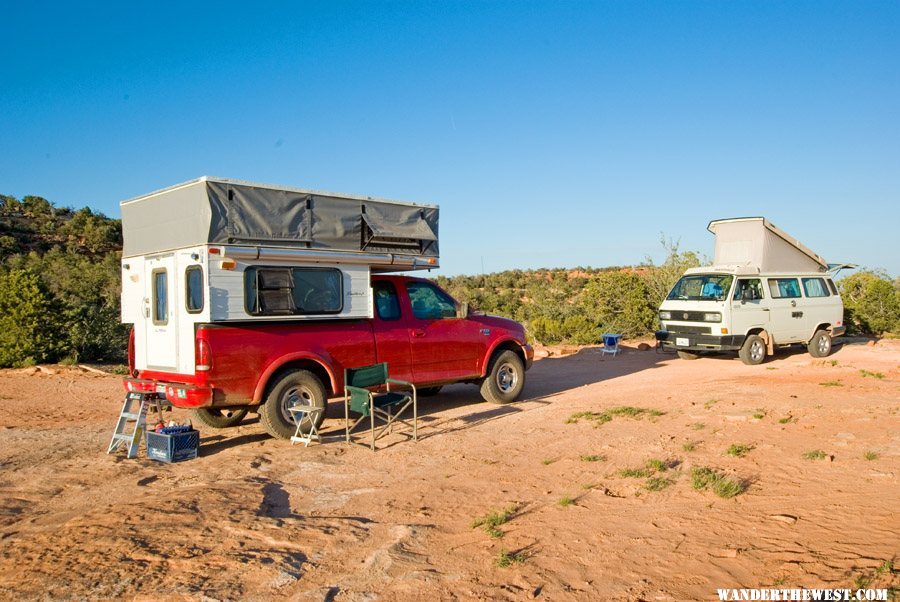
{"type": "Point", "coordinates": [749, 306]}
{"type": "Point", "coordinates": [787, 311]}
{"type": "Point", "coordinates": [160, 313]}
{"type": "Point", "coordinates": [820, 306]}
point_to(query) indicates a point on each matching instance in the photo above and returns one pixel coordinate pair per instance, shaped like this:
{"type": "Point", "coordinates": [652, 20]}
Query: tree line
{"type": "Point", "coordinates": [60, 285]}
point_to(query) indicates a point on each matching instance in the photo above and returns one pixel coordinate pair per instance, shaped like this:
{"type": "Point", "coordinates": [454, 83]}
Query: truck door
{"type": "Point", "coordinates": [391, 331]}
{"type": "Point", "coordinates": [444, 347]}
{"type": "Point", "coordinates": [160, 313]}
{"type": "Point", "coordinates": [787, 310]}
{"type": "Point", "coordinates": [749, 307]}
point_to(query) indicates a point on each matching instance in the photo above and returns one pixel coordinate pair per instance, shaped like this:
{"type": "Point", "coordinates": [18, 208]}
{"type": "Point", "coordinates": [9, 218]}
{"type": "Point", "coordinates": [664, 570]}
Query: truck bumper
{"type": "Point", "coordinates": [179, 395]}
{"type": "Point", "coordinates": [699, 342]}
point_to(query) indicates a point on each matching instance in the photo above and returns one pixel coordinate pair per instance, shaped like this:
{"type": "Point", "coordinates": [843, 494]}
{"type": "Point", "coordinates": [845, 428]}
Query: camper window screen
{"type": "Point", "coordinates": [784, 288]}
{"type": "Point", "coordinates": [814, 287]}
{"type": "Point", "coordinates": [193, 281]}
{"type": "Point", "coordinates": [293, 291]}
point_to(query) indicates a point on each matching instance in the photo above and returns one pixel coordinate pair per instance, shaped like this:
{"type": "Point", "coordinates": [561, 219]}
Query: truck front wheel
{"type": "Point", "coordinates": [297, 387]}
{"type": "Point", "coordinates": [220, 418]}
{"type": "Point", "coordinates": [505, 379]}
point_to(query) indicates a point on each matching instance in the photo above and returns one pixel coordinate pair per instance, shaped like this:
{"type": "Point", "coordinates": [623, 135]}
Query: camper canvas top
{"type": "Point", "coordinates": [388, 235]}
{"type": "Point", "coordinates": [756, 244]}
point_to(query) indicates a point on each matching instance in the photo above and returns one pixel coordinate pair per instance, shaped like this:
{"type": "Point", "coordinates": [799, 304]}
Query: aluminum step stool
{"type": "Point", "coordinates": [134, 412]}
{"type": "Point", "coordinates": [300, 411]}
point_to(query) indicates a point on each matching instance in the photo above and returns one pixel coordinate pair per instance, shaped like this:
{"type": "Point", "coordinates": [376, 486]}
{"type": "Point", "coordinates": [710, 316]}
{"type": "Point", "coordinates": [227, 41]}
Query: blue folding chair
{"type": "Point", "coordinates": [610, 344]}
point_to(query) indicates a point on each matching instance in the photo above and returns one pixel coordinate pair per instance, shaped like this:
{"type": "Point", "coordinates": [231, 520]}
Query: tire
{"type": "Point", "coordinates": [820, 344]}
{"type": "Point", "coordinates": [428, 391]}
{"type": "Point", "coordinates": [688, 355]}
{"type": "Point", "coordinates": [287, 390]}
{"type": "Point", "coordinates": [220, 418]}
{"type": "Point", "coordinates": [753, 351]}
{"type": "Point", "coordinates": [505, 379]}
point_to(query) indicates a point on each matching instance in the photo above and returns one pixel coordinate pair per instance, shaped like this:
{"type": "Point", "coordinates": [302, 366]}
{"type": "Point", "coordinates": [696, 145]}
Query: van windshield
{"type": "Point", "coordinates": [702, 287]}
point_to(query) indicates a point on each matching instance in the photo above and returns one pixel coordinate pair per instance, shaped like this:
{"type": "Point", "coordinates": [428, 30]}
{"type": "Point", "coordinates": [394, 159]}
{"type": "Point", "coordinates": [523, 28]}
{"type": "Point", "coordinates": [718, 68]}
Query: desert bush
{"type": "Point", "coordinates": [28, 329]}
{"type": "Point", "coordinates": [618, 302]}
{"type": "Point", "coordinates": [871, 303]}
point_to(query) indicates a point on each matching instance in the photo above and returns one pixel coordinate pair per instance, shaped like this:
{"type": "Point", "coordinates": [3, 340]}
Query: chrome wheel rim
{"type": "Point", "coordinates": [824, 344]}
{"type": "Point", "coordinates": [507, 378]}
{"type": "Point", "coordinates": [757, 351]}
{"type": "Point", "coordinates": [295, 396]}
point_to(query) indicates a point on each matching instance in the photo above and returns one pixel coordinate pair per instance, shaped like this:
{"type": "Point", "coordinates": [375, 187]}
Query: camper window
{"type": "Point", "coordinates": [814, 287]}
{"type": "Point", "coordinates": [784, 288]}
{"type": "Point", "coordinates": [429, 303]}
{"type": "Point", "coordinates": [831, 286]}
{"type": "Point", "coordinates": [280, 291]}
{"type": "Point", "coordinates": [748, 290]}
{"type": "Point", "coordinates": [160, 297]}
{"type": "Point", "coordinates": [193, 282]}
{"type": "Point", "coordinates": [702, 287]}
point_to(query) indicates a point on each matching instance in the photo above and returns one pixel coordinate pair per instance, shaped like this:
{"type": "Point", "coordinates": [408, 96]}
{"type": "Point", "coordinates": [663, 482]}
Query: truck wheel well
{"type": "Point", "coordinates": [309, 365]}
{"type": "Point", "coordinates": [509, 346]}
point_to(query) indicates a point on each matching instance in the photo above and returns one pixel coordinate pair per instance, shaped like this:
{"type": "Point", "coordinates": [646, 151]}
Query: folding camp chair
{"type": "Point", "coordinates": [610, 344]}
{"type": "Point", "coordinates": [363, 395]}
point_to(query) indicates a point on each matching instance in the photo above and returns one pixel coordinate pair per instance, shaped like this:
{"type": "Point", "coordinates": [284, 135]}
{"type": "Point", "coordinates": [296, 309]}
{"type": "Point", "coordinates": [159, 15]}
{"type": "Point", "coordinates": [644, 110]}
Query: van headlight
{"type": "Point", "coordinates": [665, 315]}
{"type": "Point", "coordinates": [712, 317]}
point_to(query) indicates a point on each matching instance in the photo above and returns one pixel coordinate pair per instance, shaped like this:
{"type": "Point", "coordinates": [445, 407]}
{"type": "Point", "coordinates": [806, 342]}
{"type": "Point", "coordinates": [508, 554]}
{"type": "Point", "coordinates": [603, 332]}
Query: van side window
{"type": "Point", "coordinates": [193, 282]}
{"type": "Point", "coordinates": [160, 297]}
{"type": "Point", "coordinates": [751, 288]}
{"type": "Point", "coordinates": [387, 305]}
{"type": "Point", "coordinates": [429, 303]}
{"type": "Point", "coordinates": [293, 291]}
{"type": "Point", "coordinates": [784, 288]}
{"type": "Point", "coordinates": [831, 286]}
{"type": "Point", "coordinates": [814, 287]}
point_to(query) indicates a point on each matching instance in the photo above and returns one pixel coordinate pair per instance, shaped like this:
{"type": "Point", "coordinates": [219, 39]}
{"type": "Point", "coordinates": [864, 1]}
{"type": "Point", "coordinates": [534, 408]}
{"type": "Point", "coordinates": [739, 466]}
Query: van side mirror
{"type": "Point", "coordinates": [462, 310]}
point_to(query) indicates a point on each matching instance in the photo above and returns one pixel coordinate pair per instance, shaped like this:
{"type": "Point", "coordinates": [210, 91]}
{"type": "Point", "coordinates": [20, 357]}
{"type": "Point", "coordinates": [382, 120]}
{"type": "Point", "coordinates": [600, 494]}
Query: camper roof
{"type": "Point", "coordinates": [757, 242]}
{"type": "Point", "coordinates": [233, 212]}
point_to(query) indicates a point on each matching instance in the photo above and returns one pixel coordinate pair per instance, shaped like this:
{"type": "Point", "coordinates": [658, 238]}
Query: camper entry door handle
{"type": "Point", "coordinates": [418, 332]}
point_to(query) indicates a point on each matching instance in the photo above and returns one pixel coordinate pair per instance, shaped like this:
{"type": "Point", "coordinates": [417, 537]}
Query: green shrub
{"type": "Point", "coordinates": [871, 303]}
{"type": "Point", "coordinates": [28, 326]}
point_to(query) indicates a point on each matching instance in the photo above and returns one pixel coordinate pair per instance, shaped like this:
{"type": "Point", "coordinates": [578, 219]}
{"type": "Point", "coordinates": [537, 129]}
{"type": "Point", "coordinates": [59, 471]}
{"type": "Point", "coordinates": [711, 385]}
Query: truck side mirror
{"type": "Point", "coordinates": [462, 310]}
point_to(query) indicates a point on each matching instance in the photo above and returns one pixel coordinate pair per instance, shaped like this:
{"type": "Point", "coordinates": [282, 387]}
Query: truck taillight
{"type": "Point", "coordinates": [204, 355]}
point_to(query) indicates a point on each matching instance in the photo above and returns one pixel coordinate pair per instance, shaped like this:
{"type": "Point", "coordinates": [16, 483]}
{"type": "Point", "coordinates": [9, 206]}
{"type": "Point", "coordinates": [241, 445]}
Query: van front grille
{"type": "Point", "coordinates": [687, 329]}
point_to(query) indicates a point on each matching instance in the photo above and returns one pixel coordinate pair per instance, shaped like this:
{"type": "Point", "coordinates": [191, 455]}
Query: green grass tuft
{"type": "Point", "coordinates": [877, 375]}
{"type": "Point", "coordinates": [689, 446]}
{"type": "Point", "coordinates": [785, 420]}
{"type": "Point", "coordinates": [870, 455]}
{"type": "Point", "coordinates": [703, 478]}
{"type": "Point", "coordinates": [506, 558]}
{"type": "Point", "coordinates": [635, 473]}
{"type": "Point", "coordinates": [832, 383]}
{"type": "Point", "coordinates": [547, 461]}
{"type": "Point", "coordinates": [738, 451]}
{"type": "Point", "coordinates": [759, 414]}
{"type": "Point", "coordinates": [593, 458]}
{"type": "Point", "coordinates": [657, 483]}
{"type": "Point", "coordinates": [566, 501]}
{"type": "Point", "coordinates": [599, 418]}
{"type": "Point", "coordinates": [815, 454]}
{"type": "Point", "coordinates": [698, 426]}
{"type": "Point", "coordinates": [710, 403]}
{"type": "Point", "coordinates": [492, 521]}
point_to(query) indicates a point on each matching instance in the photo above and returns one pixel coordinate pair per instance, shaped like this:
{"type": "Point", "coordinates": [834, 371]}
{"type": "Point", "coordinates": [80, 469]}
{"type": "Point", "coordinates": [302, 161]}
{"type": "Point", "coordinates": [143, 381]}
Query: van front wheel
{"type": "Point", "coordinates": [297, 387]}
{"type": "Point", "coordinates": [820, 344]}
{"type": "Point", "coordinates": [753, 351]}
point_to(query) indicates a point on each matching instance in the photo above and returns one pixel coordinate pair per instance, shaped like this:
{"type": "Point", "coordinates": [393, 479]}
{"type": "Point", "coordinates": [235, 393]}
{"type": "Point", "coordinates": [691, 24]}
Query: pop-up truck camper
{"type": "Point", "coordinates": [254, 297]}
{"type": "Point", "coordinates": [764, 290]}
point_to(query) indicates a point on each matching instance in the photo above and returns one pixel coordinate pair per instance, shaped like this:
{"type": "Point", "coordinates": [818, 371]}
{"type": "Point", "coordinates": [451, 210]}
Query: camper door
{"type": "Point", "coordinates": [160, 315]}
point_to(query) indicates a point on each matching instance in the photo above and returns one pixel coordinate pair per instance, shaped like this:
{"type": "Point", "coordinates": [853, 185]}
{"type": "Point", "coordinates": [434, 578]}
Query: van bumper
{"type": "Point", "coordinates": [699, 342]}
{"type": "Point", "coordinates": [179, 395]}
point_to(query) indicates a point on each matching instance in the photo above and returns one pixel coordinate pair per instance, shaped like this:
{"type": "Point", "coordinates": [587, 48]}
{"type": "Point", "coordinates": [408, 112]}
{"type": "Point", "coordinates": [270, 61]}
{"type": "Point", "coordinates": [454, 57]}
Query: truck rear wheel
{"type": "Point", "coordinates": [297, 387]}
{"type": "Point", "coordinates": [220, 418]}
{"type": "Point", "coordinates": [820, 344]}
{"type": "Point", "coordinates": [505, 378]}
{"type": "Point", "coordinates": [753, 351]}
{"type": "Point", "coordinates": [429, 391]}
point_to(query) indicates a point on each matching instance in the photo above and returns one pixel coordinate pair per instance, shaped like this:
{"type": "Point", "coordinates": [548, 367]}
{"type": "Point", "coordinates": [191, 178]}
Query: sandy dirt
{"type": "Point", "coordinates": [254, 518]}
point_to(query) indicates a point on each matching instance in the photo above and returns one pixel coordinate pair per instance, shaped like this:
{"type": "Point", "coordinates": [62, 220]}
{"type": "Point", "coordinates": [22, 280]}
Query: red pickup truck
{"type": "Point", "coordinates": [425, 336]}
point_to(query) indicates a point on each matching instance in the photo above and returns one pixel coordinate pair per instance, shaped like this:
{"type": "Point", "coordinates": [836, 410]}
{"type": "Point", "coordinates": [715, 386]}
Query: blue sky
{"type": "Point", "coordinates": [552, 134]}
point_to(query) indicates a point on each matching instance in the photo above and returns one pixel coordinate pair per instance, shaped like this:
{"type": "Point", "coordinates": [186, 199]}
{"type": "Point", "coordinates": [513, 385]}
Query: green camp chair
{"type": "Point", "coordinates": [367, 391]}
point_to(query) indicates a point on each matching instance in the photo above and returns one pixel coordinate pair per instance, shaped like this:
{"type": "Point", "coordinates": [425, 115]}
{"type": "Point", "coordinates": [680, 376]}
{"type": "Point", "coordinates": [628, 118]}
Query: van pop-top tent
{"type": "Point", "coordinates": [230, 212]}
{"type": "Point", "coordinates": [756, 242]}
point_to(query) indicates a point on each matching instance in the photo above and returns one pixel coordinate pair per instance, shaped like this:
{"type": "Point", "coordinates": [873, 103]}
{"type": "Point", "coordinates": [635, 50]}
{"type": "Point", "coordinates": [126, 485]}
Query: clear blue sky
{"type": "Point", "coordinates": [552, 134]}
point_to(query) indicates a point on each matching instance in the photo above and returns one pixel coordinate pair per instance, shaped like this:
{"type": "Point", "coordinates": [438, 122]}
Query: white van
{"type": "Point", "coordinates": [749, 305]}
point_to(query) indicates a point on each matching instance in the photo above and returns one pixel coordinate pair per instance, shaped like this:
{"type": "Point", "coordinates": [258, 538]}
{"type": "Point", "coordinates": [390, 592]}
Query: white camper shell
{"type": "Point", "coordinates": [217, 250]}
{"type": "Point", "coordinates": [764, 289]}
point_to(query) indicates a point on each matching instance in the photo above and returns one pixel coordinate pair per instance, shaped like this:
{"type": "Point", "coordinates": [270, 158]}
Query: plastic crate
{"type": "Point", "coordinates": [173, 447]}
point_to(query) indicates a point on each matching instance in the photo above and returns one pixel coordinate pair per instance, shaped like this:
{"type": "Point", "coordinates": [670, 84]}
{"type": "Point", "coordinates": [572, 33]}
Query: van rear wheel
{"type": "Point", "coordinates": [297, 387]}
{"type": "Point", "coordinates": [220, 418]}
{"type": "Point", "coordinates": [820, 344]}
{"type": "Point", "coordinates": [753, 351]}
